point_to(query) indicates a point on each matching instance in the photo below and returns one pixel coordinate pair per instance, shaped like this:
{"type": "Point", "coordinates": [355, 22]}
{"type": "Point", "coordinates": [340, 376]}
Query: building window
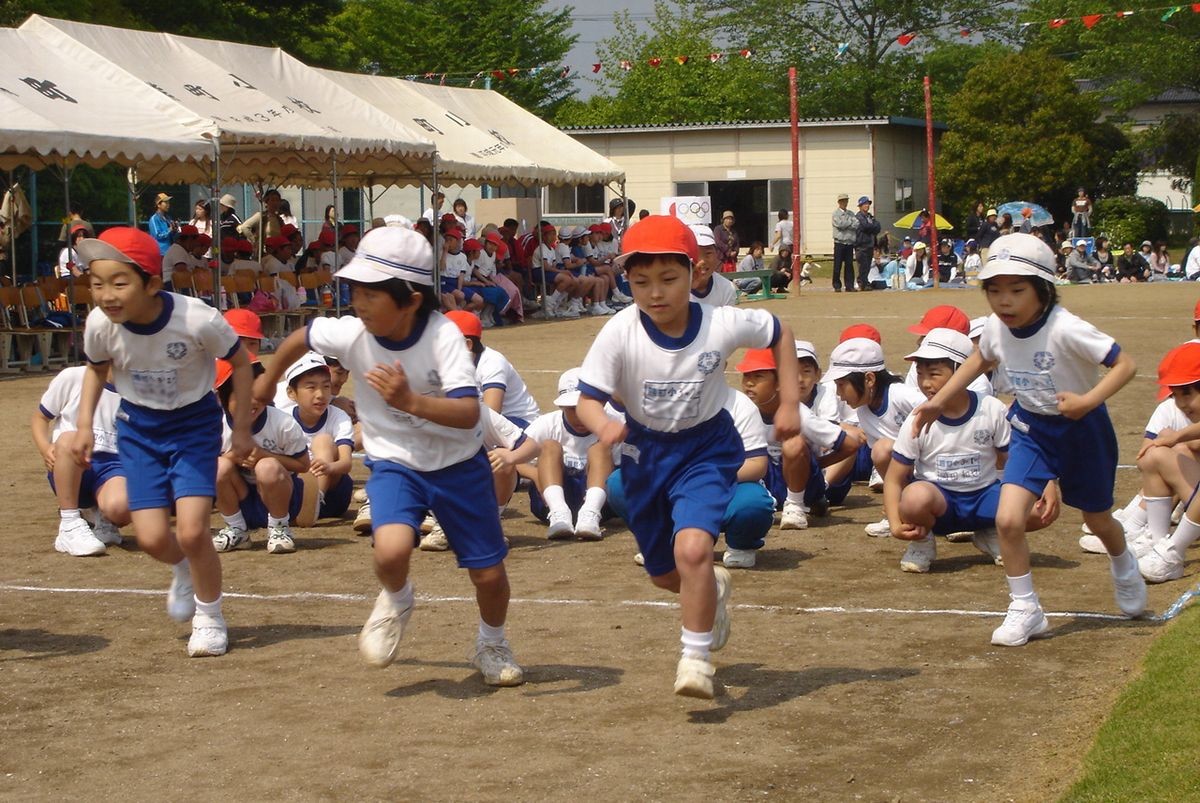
{"type": "Point", "coordinates": [904, 195]}
{"type": "Point", "coordinates": [698, 188]}
{"type": "Point", "coordinates": [575, 200]}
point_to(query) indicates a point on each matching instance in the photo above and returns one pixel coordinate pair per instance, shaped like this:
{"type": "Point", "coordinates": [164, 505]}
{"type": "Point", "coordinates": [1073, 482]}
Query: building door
{"type": "Point", "coordinates": [748, 202]}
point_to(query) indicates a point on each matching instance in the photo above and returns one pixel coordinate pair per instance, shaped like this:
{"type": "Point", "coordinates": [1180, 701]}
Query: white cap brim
{"type": "Point", "coordinates": [936, 351]}
{"type": "Point", "coordinates": [807, 349]}
{"type": "Point", "coordinates": [90, 249]}
{"type": "Point", "coordinates": [309, 362]}
{"type": "Point", "coordinates": [568, 399]}
{"type": "Point", "coordinates": [372, 270]}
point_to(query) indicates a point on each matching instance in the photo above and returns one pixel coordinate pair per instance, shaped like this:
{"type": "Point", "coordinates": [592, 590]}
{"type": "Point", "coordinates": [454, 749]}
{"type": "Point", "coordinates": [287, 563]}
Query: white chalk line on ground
{"type": "Point", "coordinates": [311, 596]}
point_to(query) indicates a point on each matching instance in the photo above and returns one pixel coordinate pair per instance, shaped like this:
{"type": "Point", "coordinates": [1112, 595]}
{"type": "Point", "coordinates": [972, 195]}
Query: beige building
{"type": "Point", "coordinates": [747, 167]}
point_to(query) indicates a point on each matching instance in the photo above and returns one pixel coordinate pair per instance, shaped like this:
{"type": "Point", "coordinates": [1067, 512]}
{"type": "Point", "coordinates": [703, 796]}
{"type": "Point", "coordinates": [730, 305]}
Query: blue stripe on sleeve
{"type": "Point", "coordinates": [233, 350]}
{"type": "Point", "coordinates": [48, 415]}
{"type": "Point", "coordinates": [901, 459]}
{"type": "Point", "coordinates": [775, 331]}
{"type": "Point", "coordinates": [756, 453]}
{"type": "Point", "coordinates": [594, 393]}
{"type": "Point", "coordinates": [463, 393]}
{"type": "Point", "coordinates": [491, 385]}
{"type": "Point", "coordinates": [1111, 358]}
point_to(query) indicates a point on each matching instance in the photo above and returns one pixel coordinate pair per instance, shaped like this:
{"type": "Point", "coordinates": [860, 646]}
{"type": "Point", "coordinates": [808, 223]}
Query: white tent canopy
{"type": "Point", "coordinates": [277, 120]}
{"type": "Point", "coordinates": [58, 111]}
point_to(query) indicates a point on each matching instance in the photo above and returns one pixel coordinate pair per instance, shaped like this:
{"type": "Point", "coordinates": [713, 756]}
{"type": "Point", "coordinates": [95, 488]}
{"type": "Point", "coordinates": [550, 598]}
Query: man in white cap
{"type": "Point", "coordinates": [845, 233]}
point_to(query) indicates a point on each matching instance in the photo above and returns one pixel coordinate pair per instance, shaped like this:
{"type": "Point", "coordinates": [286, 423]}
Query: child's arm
{"type": "Point", "coordinates": [787, 418]}
{"type": "Point", "coordinates": [1075, 406]}
{"type": "Point", "coordinates": [925, 414]}
{"type": "Point", "coordinates": [850, 444]}
{"type": "Point", "coordinates": [1168, 438]}
{"type": "Point", "coordinates": [898, 475]}
{"type": "Point", "coordinates": [608, 430]}
{"type": "Point", "coordinates": [39, 427]}
{"type": "Point", "coordinates": [89, 397]}
{"type": "Point", "coordinates": [753, 469]}
{"type": "Point", "coordinates": [390, 382]}
{"type": "Point", "coordinates": [503, 458]}
{"type": "Point", "coordinates": [295, 465]}
{"type": "Point", "coordinates": [243, 388]}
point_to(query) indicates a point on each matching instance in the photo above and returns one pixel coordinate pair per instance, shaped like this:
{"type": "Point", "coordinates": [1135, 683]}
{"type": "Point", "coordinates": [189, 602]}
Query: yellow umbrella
{"type": "Point", "coordinates": [909, 221]}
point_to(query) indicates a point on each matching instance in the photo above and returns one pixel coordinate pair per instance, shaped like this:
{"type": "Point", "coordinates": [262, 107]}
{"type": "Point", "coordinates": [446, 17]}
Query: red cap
{"type": "Point", "coordinates": [549, 227]}
{"type": "Point", "coordinates": [449, 217]}
{"type": "Point", "coordinates": [288, 230]}
{"type": "Point", "coordinates": [472, 245]}
{"type": "Point", "coordinates": [123, 244]}
{"type": "Point", "coordinates": [454, 231]}
{"type": "Point", "coordinates": [494, 237]}
{"type": "Point", "coordinates": [244, 247]}
{"type": "Point", "coordinates": [659, 234]}
{"type": "Point", "coordinates": [224, 371]}
{"type": "Point", "coordinates": [502, 251]}
{"type": "Point", "coordinates": [279, 241]}
{"type": "Point", "coordinates": [1181, 366]}
{"type": "Point", "coordinates": [245, 323]}
{"type": "Point", "coordinates": [756, 360]}
{"type": "Point", "coordinates": [203, 240]}
{"type": "Point", "coordinates": [942, 317]}
{"type": "Point", "coordinates": [606, 228]}
{"type": "Point", "coordinates": [80, 227]}
{"type": "Point", "coordinates": [229, 244]}
{"type": "Point", "coordinates": [326, 238]}
{"type": "Point", "coordinates": [467, 322]}
{"type": "Point", "coordinates": [860, 330]}
{"type": "Point", "coordinates": [1196, 312]}
{"type": "Point", "coordinates": [347, 230]}
{"type": "Point", "coordinates": [596, 228]}
{"type": "Point", "coordinates": [316, 245]}
{"type": "Point", "coordinates": [188, 230]}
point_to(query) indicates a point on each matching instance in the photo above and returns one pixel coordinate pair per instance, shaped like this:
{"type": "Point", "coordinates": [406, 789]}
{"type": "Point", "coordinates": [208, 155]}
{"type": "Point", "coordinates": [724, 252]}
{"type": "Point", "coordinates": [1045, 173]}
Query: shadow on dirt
{"type": "Point", "coordinates": [780, 559]}
{"type": "Point", "coordinates": [43, 644]}
{"type": "Point", "coordinates": [766, 688]}
{"type": "Point", "coordinates": [541, 680]}
{"type": "Point", "coordinates": [1081, 624]}
{"type": "Point", "coordinates": [248, 638]}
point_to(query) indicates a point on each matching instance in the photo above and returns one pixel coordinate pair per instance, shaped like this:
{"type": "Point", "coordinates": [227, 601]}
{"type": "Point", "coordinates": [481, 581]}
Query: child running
{"type": "Point", "coordinates": [163, 349]}
{"type": "Point", "coordinates": [1061, 428]}
{"type": "Point", "coordinates": [419, 408]}
{"type": "Point", "coordinates": [663, 360]}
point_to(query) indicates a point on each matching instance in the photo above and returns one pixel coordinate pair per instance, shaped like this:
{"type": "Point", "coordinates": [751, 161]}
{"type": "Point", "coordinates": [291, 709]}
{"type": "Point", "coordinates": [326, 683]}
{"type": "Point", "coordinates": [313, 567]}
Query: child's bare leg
{"type": "Point", "coordinates": [505, 482]}
{"type": "Point", "coordinates": [393, 550]}
{"type": "Point", "coordinates": [191, 531]}
{"type": "Point", "coordinates": [697, 585]}
{"type": "Point", "coordinates": [797, 464]}
{"type": "Point", "coordinates": [550, 468]}
{"type": "Point", "coordinates": [920, 504]}
{"type": "Point", "coordinates": [231, 488]}
{"type": "Point", "coordinates": [274, 486]}
{"type": "Point", "coordinates": [152, 529]}
{"type": "Point", "coordinates": [324, 449]}
{"type": "Point", "coordinates": [113, 501]}
{"type": "Point", "coordinates": [881, 455]}
{"type": "Point", "coordinates": [1016, 503]}
{"type": "Point", "coordinates": [491, 593]}
{"type": "Point", "coordinates": [67, 474]}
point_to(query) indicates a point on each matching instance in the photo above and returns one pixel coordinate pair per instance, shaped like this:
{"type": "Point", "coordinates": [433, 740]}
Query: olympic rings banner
{"type": "Point", "coordinates": [689, 208]}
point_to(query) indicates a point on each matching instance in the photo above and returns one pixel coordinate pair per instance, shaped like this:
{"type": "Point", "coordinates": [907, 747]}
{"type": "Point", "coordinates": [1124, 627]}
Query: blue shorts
{"type": "Point", "coordinates": [678, 480]}
{"type": "Point", "coordinates": [836, 494]}
{"type": "Point", "coordinates": [470, 292]}
{"type": "Point", "coordinates": [104, 467]}
{"type": "Point", "coordinates": [461, 496]}
{"type": "Point", "coordinates": [255, 510]}
{"type": "Point", "coordinates": [172, 453]}
{"type": "Point", "coordinates": [968, 510]}
{"type": "Point", "coordinates": [449, 286]}
{"type": "Point", "coordinates": [813, 491]}
{"type": "Point", "coordinates": [1081, 455]}
{"type": "Point", "coordinates": [337, 499]}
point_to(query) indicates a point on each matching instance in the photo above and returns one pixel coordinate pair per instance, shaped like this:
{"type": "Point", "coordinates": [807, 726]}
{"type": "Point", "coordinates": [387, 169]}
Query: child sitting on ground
{"type": "Point", "coordinates": [262, 489]}
{"type": "Point", "coordinates": [956, 464]}
{"type": "Point", "coordinates": [330, 437]}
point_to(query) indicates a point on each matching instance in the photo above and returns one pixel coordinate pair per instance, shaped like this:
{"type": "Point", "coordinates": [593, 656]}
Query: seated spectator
{"type": "Point", "coordinates": [948, 272]}
{"type": "Point", "coordinates": [1082, 267]}
{"type": "Point", "coordinates": [1104, 258]}
{"type": "Point", "coordinates": [1130, 265]}
{"type": "Point", "coordinates": [1160, 262]}
{"type": "Point", "coordinates": [781, 276]}
{"type": "Point", "coordinates": [916, 267]}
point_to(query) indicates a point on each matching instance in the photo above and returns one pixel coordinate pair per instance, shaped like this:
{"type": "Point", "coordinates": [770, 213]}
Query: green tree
{"type": "Point", "coordinates": [734, 88]}
{"type": "Point", "coordinates": [1018, 130]}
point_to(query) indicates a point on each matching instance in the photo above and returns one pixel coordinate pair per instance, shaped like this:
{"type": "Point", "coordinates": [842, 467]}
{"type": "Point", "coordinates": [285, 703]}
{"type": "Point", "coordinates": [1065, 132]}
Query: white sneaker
{"type": "Point", "coordinates": [435, 540]}
{"type": "Point", "coordinates": [545, 314]}
{"type": "Point", "coordinates": [428, 523]}
{"type": "Point", "coordinates": [1141, 544]}
{"type": "Point", "coordinates": [561, 526]}
{"type": "Point", "coordinates": [181, 597]}
{"type": "Point", "coordinates": [694, 678]}
{"type": "Point", "coordinates": [209, 636]}
{"type": "Point", "coordinates": [607, 309]}
{"type": "Point", "coordinates": [362, 520]}
{"type": "Point", "coordinates": [497, 664]}
{"type": "Point", "coordinates": [575, 305]}
{"type": "Point", "coordinates": [1130, 593]}
{"type": "Point", "coordinates": [1160, 564]}
{"type": "Point", "coordinates": [639, 559]}
{"type": "Point", "coordinates": [569, 312]}
{"type": "Point", "coordinates": [919, 555]}
{"type": "Point", "coordinates": [1024, 621]}
{"type": "Point", "coordinates": [379, 639]}
{"type": "Point", "coordinates": [880, 529]}
{"type": "Point", "coordinates": [595, 310]}
{"type": "Point", "coordinates": [739, 558]}
{"type": "Point", "coordinates": [875, 483]}
{"type": "Point", "coordinates": [106, 532]}
{"type": "Point", "coordinates": [721, 625]}
{"type": "Point", "coordinates": [621, 298]}
{"type": "Point", "coordinates": [795, 517]}
{"type": "Point", "coordinates": [75, 538]}
{"type": "Point", "coordinates": [987, 542]}
{"type": "Point", "coordinates": [587, 526]}
{"type": "Point", "coordinates": [280, 541]}
{"type": "Point", "coordinates": [359, 496]}
{"type": "Point", "coordinates": [230, 538]}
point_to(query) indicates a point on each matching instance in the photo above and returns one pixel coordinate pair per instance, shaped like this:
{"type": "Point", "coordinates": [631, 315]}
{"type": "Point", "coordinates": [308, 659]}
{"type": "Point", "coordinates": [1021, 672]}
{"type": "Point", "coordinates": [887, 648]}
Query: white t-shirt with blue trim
{"type": "Point", "coordinates": [747, 420]}
{"type": "Point", "coordinates": [958, 454]}
{"type": "Point", "coordinates": [898, 401]}
{"type": "Point", "coordinates": [273, 431]}
{"type": "Point", "coordinates": [719, 293]}
{"type": "Point", "coordinates": [334, 422]}
{"type": "Point", "coordinates": [495, 371]}
{"type": "Point", "coordinates": [60, 405]}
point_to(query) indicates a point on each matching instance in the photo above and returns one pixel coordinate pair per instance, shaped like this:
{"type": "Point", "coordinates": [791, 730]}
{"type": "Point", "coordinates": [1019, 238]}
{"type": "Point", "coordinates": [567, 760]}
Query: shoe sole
{"type": "Point", "coordinates": [280, 549]}
{"type": "Point", "coordinates": [695, 692]}
{"type": "Point", "coordinates": [362, 526]}
{"type": "Point", "coordinates": [95, 553]}
{"type": "Point", "coordinates": [206, 653]}
{"type": "Point", "coordinates": [721, 624]}
{"type": "Point", "coordinates": [589, 535]}
{"type": "Point", "coordinates": [240, 545]}
{"type": "Point", "coordinates": [432, 548]}
{"type": "Point", "coordinates": [564, 534]}
{"type": "Point", "coordinates": [1041, 633]}
{"type": "Point", "coordinates": [309, 502]}
{"type": "Point", "coordinates": [793, 525]}
{"type": "Point", "coordinates": [913, 568]}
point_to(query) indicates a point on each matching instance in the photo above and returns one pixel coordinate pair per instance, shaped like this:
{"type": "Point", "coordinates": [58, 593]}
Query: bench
{"type": "Point", "coordinates": [764, 276]}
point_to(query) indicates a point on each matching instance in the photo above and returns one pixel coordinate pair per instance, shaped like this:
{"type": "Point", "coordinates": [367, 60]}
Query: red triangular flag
{"type": "Point", "coordinates": [1058, 23]}
{"type": "Point", "coordinates": [499, 75]}
{"type": "Point", "coordinates": [513, 70]}
{"type": "Point", "coordinates": [715, 57]}
{"type": "Point", "coordinates": [745, 53]}
{"type": "Point", "coordinates": [1196, 8]}
{"type": "Point", "coordinates": [1089, 20]}
{"type": "Point", "coordinates": [905, 38]}
{"type": "Point", "coordinates": [681, 60]}
{"type": "Point", "coordinates": [964, 33]}
{"type": "Point", "coordinates": [654, 62]}
{"type": "Point", "coordinates": [626, 65]}
{"type": "Point", "coordinates": [596, 67]}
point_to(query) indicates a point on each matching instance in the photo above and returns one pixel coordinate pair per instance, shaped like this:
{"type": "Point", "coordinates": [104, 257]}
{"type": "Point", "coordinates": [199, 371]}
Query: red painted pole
{"type": "Point", "coordinates": [932, 207]}
{"type": "Point", "coordinates": [795, 179]}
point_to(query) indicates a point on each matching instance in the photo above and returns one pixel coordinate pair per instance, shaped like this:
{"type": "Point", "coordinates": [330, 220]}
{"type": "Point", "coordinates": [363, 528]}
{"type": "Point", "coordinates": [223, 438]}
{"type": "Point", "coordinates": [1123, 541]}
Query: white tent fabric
{"type": "Point", "coordinates": [54, 110]}
{"type": "Point", "coordinates": [278, 120]}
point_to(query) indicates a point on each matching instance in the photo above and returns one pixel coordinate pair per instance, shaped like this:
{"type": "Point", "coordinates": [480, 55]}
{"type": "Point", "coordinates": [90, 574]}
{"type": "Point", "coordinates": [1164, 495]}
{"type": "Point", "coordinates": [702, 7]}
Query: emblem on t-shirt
{"type": "Point", "coordinates": [434, 379]}
{"type": "Point", "coordinates": [177, 350]}
{"type": "Point", "coordinates": [708, 362]}
{"type": "Point", "coordinates": [982, 437]}
{"type": "Point", "coordinates": [1043, 360]}
{"type": "Point", "coordinates": [269, 445]}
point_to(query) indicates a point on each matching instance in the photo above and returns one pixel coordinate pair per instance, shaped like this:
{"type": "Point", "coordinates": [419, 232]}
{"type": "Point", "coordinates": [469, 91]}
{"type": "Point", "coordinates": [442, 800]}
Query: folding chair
{"type": "Point", "coordinates": [54, 342]}
{"type": "Point", "coordinates": [181, 282]}
{"type": "Point", "coordinates": [202, 285]}
{"type": "Point", "coordinates": [230, 285]}
{"type": "Point", "coordinates": [16, 344]}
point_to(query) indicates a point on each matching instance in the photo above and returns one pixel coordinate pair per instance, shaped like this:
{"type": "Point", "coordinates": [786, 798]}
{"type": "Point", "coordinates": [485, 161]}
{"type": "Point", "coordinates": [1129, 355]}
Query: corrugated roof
{"type": "Point", "coordinates": [1171, 95]}
{"type": "Point", "coordinates": [805, 122]}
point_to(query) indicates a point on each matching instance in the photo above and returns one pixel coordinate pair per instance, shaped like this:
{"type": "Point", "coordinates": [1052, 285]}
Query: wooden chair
{"type": "Point", "coordinates": [80, 294]}
{"type": "Point", "coordinates": [17, 346]}
{"type": "Point", "coordinates": [181, 281]}
{"type": "Point", "coordinates": [54, 342]}
{"type": "Point", "coordinates": [230, 285]}
{"type": "Point", "coordinates": [202, 285]}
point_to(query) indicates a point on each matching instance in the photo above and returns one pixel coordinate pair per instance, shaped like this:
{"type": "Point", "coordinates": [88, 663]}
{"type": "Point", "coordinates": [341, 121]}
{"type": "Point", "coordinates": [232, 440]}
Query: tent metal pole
{"type": "Point", "coordinates": [337, 262]}
{"type": "Point", "coordinates": [76, 329]}
{"type": "Point", "coordinates": [213, 195]}
{"type": "Point", "coordinates": [437, 240]}
{"type": "Point", "coordinates": [625, 219]}
{"type": "Point", "coordinates": [537, 237]}
{"type": "Point", "coordinates": [131, 184]}
{"type": "Point", "coordinates": [12, 239]}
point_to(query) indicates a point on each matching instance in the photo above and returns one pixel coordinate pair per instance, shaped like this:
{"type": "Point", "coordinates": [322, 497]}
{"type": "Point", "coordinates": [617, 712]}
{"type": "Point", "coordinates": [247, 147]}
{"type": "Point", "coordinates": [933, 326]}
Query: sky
{"type": "Point", "coordinates": [593, 22]}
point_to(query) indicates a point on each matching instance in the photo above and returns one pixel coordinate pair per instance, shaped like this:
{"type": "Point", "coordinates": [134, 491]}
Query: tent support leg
{"type": "Point", "coordinates": [337, 215]}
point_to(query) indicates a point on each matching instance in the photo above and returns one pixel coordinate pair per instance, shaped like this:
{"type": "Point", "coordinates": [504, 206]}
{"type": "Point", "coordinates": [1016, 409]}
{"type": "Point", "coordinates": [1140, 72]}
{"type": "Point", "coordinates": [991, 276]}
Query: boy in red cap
{"type": "Point", "coordinates": [162, 349]}
{"type": "Point", "coordinates": [663, 359]}
{"type": "Point", "coordinates": [248, 327]}
{"type": "Point", "coordinates": [455, 271]}
{"type": "Point", "coordinates": [482, 279]}
{"type": "Point", "coordinates": [348, 239]}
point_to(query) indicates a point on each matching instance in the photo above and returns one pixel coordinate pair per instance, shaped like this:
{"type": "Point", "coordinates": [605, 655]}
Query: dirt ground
{"type": "Point", "coordinates": [846, 679]}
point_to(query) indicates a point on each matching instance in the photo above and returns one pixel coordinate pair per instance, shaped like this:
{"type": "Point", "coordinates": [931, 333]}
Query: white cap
{"type": "Point", "coordinates": [568, 388]}
{"type": "Point", "coordinates": [400, 221]}
{"type": "Point", "coordinates": [806, 349]}
{"type": "Point", "coordinates": [944, 344]}
{"type": "Point", "coordinates": [1080, 242]}
{"type": "Point", "coordinates": [1019, 255]}
{"type": "Point", "coordinates": [391, 253]}
{"type": "Point", "coordinates": [704, 235]}
{"type": "Point", "coordinates": [976, 329]}
{"type": "Point", "coordinates": [303, 365]}
{"type": "Point", "coordinates": [856, 355]}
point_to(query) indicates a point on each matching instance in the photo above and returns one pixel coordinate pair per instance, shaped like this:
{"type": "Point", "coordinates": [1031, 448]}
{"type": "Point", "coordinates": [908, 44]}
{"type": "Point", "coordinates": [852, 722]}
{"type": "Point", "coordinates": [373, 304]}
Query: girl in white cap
{"type": "Point", "coordinates": [1061, 430]}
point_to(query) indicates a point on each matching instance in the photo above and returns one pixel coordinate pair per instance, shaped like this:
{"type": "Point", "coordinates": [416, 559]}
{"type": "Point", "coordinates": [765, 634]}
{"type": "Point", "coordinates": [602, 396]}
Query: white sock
{"type": "Point", "coordinates": [272, 521]}
{"type": "Point", "coordinates": [69, 515]}
{"type": "Point", "coordinates": [1135, 514]}
{"type": "Point", "coordinates": [695, 645]}
{"type": "Point", "coordinates": [555, 499]}
{"type": "Point", "coordinates": [1022, 587]}
{"type": "Point", "coordinates": [237, 520]}
{"type": "Point", "coordinates": [595, 498]}
{"type": "Point", "coordinates": [796, 496]}
{"type": "Point", "coordinates": [1184, 536]}
{"type": "Point", "coordinates": [208, 608]}
{"type": "Point", "coordinates": [404, 597]}
{"type": "Point", "coordinates": [1134, 505]}
{"type": "Point", "coordinates": [491, 635]}
{"type": "Point", "coordinates": [1124, 564]}
{"type": "Point", "coordinates": [1158, 516]}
